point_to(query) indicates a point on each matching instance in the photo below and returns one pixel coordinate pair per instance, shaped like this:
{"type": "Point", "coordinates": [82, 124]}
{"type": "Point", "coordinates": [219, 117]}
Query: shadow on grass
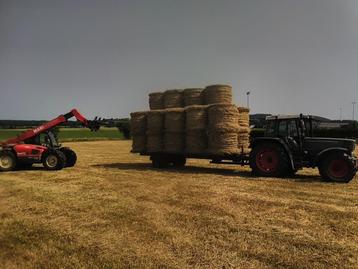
{"type": "Point", "coordinates": [202, 170]}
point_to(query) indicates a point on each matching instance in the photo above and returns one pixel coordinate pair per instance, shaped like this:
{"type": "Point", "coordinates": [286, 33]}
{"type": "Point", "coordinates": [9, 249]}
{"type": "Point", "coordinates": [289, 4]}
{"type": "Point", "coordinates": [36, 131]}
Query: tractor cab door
{"type": "Point", "coordinates": [289, 131]}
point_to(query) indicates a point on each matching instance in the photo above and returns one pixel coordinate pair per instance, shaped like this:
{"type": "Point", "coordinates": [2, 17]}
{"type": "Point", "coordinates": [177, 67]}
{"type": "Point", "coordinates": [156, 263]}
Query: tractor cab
{"type": "Point", "coordinates": [289, 145]}
{"type": "Point", "coordinates": [47, 139]}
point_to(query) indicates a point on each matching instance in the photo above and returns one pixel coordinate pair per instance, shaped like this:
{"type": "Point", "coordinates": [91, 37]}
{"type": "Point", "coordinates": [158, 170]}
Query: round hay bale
{"type": "Point", "coordinates": [155, 121]}
{"type": "Point", "coordinates": [173, 142]}
{"type": "Point", "coordinates": [222, 116]}
{"type": "Point", "coordinates": [138, 143]}
{"type": "Point", "coordinates": [223, 142]}
{"type": "Point", "coordinates": [138, 123]}
{"type": "Point", "coordinates": [193, 96]}
{"type": "Point", "coordinates": [196, 142]}
{"type": "Point", "coordinates": [154, 142]}
{"type": "Point", "coordinates": [156, 100]}
{"type": "Point", "coordinates": [244, 117]}
{"type": "Point", "coordinates": [173, 99]}
{"type": "Point", "coordinates": [196, 118]}
{"type": "Point", "coordinates": [214, 94]}
{"type": "Point", "coordinates": [174, 120]}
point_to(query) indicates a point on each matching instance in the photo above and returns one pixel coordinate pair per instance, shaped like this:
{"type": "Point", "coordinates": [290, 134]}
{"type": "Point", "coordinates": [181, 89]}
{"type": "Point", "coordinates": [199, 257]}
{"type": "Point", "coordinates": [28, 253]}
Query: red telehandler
{"type": "Point", "coordinates": [40, 145]}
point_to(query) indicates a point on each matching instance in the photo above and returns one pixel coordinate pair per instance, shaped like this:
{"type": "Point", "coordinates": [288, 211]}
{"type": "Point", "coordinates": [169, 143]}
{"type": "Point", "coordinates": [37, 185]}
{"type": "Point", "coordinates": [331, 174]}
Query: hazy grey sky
{"type": "Point", "coordinates": [105, 56]}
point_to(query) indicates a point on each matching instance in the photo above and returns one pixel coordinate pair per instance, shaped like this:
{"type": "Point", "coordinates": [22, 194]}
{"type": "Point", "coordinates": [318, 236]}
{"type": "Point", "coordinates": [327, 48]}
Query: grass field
{"type": "Point", "coordinates": [72, 134]}
{"type": "Point", "coordinates": [114, 211]}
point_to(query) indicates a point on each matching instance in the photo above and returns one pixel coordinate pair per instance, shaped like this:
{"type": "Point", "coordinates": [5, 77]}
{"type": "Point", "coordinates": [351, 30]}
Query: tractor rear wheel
{"type": "Point", "coordinates": [71, 157]}
{"type": "Point", "coordinates": [269, 160]}
{"type": "Point", "coordinates": [179, 161]}
{"type": "Point", "coordinates": [54, 160]}
{"type": "Point", "coordinates": [7, 161]}
{"type": "Point", "coordinates": [337, 167]}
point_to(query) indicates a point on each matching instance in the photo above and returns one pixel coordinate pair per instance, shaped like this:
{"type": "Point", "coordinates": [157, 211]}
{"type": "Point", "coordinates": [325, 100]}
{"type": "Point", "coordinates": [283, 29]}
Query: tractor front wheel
{"type": "Point", "coordinates": [7, 161]}
{"type": "Point", "coordinates": [269, 160]}
{"type": "Point", "coordinates": [337, 167]}
{"type": "Point", "coordinates": [54, 160]}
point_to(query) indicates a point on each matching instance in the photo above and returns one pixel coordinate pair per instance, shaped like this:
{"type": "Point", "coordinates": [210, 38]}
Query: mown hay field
{"type": "Point", "coordinates": [114, 211]}
{"type": "Point", "coordinates": [72, 134]}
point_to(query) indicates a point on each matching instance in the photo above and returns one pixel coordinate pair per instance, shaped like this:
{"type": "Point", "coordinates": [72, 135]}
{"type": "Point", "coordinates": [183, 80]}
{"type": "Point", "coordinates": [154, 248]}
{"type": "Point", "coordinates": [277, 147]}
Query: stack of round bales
{"type": "Point", "coordinates": [174, 125]}
{"type": "Point", "coordinates": [173, 99]}
{"type": "Point", "coordinates": [196, 141]}
{"type": "Point", "coordinates": [214, 94]}
{"type": "Point", "coordinates": [244, 130]}
{"type": "Point", "coordinates": [138, 125]}
{"type": "Point", "coordinates": [156, 100]}
{"type": "Point", "coordinates": [223, 129]}
{"type": "Point", "coordinates": [155, 127]}
{"type": "Point", "coordinates": [193, 96]}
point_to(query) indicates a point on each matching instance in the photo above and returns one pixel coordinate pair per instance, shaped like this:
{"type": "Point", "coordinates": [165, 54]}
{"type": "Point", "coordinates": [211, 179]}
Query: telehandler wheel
{"type": "Point", "coordinates": [71, 157]}
{"type": "Point", "coordinates": [337, 167]}
{"type": "Point", "coordinates": [7, 161]}
{"type": "Point", "coordinates": [54, 160]}
{"type": "Point", "coordinates": [269, 160]}
{"type": "Point", "coordinates": [160, 162]}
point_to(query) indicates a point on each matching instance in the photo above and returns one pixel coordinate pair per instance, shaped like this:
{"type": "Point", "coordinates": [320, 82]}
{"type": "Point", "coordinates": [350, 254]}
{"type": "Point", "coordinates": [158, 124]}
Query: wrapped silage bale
{"type": "Point", "coordinates": [214, 94]}
{"type": "Point", "coordinates": [156, 100]}
{"type": "Point", "coordinates": [193, 96]}
{"type": "Point", "coordinates": [173, 99]}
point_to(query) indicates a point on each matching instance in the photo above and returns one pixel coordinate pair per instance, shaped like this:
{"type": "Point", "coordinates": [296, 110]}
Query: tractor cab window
{"type": "Point", "coordinates": [282, 128]}
{"type": "Point", "coordinates": [292, 129]}
{"type": "Point", "coordinates": [270, 128]}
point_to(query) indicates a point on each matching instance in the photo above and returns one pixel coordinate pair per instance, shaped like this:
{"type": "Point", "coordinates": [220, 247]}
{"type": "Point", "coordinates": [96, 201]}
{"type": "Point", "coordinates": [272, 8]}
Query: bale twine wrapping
{"type": "Point", "coordinates": [244, 117]}
{"type": "Point", "coordinates": [154, 142]}
{"type": "Point", "coordinates": [193, 96]}
{"type": "Point", "coordinates": [138, 143]}
{"type": "Point", "coordinates": [156, 100]}
{"type": "Point", "coordinates": [155, 121]}
{"type": "Point", "coordinates": [196, 118]}
{"type": "Point", "coordinates": [244, 139]}
{"type": "Point", "coordinates": [173, 99]}
{"type": "Point", "coordinates": [223, 142]}
{"type": "Point", "coordinates": [173, 142]}
{"type": "Point", "coordinates": [196, 142]}
{"type": "Point", "coordinates": [138, 123]}
{"type": "Point", "coordinates": [222, 116]}
{"type": "Point", "coordinates": [174, 120]}
{"type": "Point", "coordinates": [214, 94]}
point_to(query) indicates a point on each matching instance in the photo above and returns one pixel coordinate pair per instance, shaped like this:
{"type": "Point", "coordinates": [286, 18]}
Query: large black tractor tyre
{"type": "Point", "coordinates": [337, 167]}
{"type": "Point", "coordinates": [54, 160]}
{"type": "Point", "coordinates": [269, 160]}
{"type": "Point", "coordinates": [8, 161]}
{"type": "Point", "coordinates": [71, 157]}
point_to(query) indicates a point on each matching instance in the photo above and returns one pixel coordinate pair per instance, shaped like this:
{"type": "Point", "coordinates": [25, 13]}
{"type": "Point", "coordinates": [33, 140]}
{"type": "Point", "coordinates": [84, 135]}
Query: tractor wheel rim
{"type": "Point", "coordinates": [51, 161]}
{"type": "Point", "coordinates": [338, 169]}
{"type": "Point", "coordinates": [5, 162]}
{"type": "Point", "coordinates": [267, 160]}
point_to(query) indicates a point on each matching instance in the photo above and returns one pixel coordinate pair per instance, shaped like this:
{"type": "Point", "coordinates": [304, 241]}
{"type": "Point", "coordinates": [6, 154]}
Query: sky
{"type": "Point", "coordinates": [105, 56]}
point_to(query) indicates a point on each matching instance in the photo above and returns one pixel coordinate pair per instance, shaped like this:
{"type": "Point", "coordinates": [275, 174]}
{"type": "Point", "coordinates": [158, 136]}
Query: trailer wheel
{"type": "Point", "coordinates": [7, 161]}
{"type": "Point", "coordinates": [54, 160]}
{"type": "Point", "coordinates": [337, 167]}
{"type": "Point", "coordinates": [71, 157]}
{"type": "Point", "coordinates": [159, 162]}
{"type": "Point", "coordinates": [269, 160]}
{"type": "Point", "coordinates": [179, 161]}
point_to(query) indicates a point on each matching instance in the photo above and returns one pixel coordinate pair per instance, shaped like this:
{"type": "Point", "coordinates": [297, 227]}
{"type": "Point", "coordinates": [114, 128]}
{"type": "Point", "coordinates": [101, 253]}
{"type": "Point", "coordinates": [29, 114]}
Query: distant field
{"type": "Point", "coordinates": [72, 134]}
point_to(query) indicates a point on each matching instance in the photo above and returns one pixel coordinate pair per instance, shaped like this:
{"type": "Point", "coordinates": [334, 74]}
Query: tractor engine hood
{"type": "Point", "coordinates": [317, 144]}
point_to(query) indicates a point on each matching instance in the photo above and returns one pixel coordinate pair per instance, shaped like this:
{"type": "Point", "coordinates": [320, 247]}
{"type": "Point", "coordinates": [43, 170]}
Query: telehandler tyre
{"type": "Point", "coordinates": [54, 160]}
{"type": "Point", "coordinates": [7, 161]}
{"type": "Point", "coordinates": [71, 157]}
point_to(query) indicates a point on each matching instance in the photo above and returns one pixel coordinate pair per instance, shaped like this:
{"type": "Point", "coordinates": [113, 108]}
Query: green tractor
{"type": "Point", "coordinates": [288, 145]}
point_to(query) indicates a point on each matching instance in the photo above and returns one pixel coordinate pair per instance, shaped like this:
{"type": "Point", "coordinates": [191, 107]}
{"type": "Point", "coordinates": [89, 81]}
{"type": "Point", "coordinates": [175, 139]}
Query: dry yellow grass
{"type": "Point", "coordinates": [114, 211]}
